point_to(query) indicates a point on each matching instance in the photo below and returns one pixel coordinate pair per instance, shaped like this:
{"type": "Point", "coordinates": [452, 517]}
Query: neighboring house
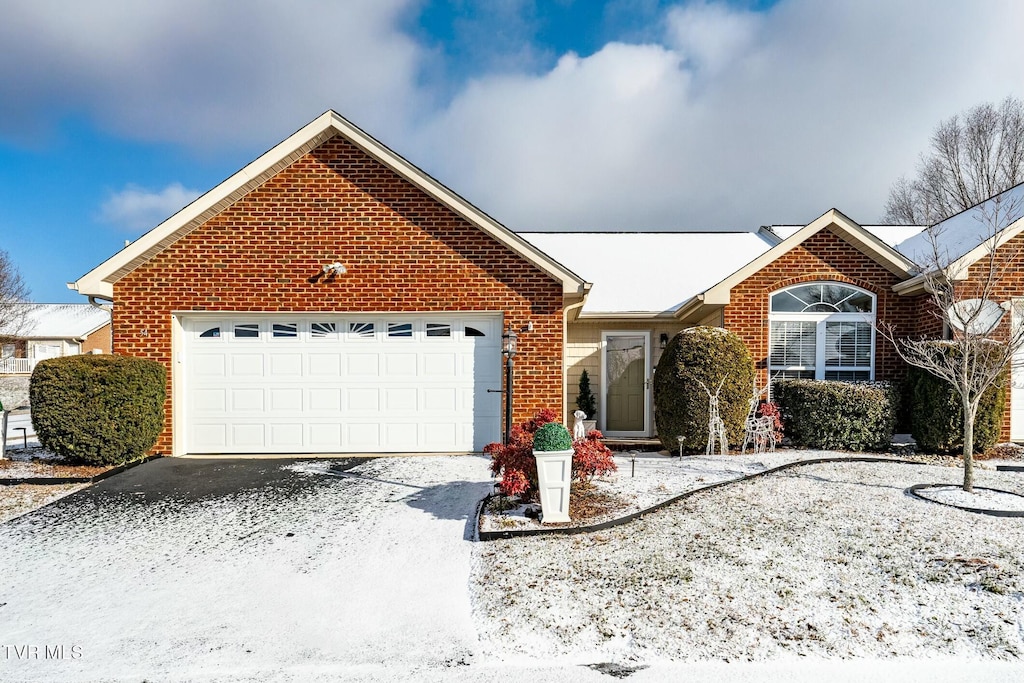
{"type": "Point", "coordinates": [332, 297]}
{"type": "Point", "coordinates": [52, 331]}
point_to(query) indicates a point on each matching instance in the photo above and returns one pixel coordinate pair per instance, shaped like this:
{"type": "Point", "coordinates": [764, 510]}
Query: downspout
{"type": "Point", "coordinates": [105, 307]}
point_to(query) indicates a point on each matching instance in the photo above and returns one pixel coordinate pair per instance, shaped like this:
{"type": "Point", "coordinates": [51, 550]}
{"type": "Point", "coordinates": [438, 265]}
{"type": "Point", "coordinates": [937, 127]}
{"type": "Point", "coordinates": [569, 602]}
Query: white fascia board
{"type": "Point", "coordinates": [100, 281]}
{"type": "Point", "coordinates": [627, 315]}
{"type": "Point", "coordinates": [871, 245]}
{"type": "Point", "coordinates": [571, 282]}
{"type": "Point", "coordinates": [960, 269]}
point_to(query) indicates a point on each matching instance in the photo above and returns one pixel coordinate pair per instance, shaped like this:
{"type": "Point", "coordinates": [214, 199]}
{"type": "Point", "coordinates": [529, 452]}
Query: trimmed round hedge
{"type": "Point", "coordinates": [708, 355]}
{"type": "Point", "coordinates": [937, 418]}
{"type": "Point", "coordinates": [98, 410]}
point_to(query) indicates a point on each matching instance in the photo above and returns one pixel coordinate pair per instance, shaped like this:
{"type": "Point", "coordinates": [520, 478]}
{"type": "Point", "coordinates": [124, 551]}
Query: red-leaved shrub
{"type": "Point", "coordinates": [591, 458]}
{"type": "Point", "coordinates": [518, 468]}
{"type": "Point", "coordinates": [771, 409]}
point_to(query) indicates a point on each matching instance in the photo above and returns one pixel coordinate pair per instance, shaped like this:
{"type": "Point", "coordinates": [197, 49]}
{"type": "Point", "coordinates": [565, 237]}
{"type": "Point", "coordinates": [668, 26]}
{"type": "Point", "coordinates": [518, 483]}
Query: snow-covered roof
{"type": "Point", "coordinates": [648, 272]}
{"type": "Point", "coordinates": [890, 234]}
{"type": "Point", "coordinates": [959, 235]}
{"type": "Point", "coordinates": [62, 321]}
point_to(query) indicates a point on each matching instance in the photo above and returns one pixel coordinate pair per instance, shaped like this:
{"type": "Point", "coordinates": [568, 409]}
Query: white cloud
{"type": "Point", "coordinates": [727, 118]}
{"type": "Point", "coordinates": [734, 120]}
{"type": "Point", "coordinates": [207, 74]}
{"type": "Point", "coordinates": [136, 209]}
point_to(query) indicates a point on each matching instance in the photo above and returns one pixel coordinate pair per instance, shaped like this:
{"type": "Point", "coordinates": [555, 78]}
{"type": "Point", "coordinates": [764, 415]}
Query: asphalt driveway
{"type": "Point", "coordinates": [246, 569]}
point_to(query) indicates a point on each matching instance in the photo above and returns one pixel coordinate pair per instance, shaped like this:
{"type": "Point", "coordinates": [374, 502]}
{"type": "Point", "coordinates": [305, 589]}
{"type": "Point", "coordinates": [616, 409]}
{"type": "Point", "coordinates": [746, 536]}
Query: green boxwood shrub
{"type": "Point", "coordinates": [552, 437]}
{"type": "Point", "coordinates": [707, 354]}
{"type": "Point", "coordinates": [98, 410]}
{"type": "Point", "coordinates": [851, 416]}
{"type": "Point", "coordinates": [937, 419]}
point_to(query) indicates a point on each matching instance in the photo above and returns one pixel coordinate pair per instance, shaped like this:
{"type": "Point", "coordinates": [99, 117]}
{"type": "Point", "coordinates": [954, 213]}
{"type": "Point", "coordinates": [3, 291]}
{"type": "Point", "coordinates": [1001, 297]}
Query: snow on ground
{"type": "Point", "coordinates": [339, 574]}
{"type": "Point", "coordinates": [830, 560]}
{"type": "Point", "coordinates": [979, 499]}
{"type": "Point", "coordinates": [370, 575]}
{"type": "Point", "coordinates": [654, 478]}
{"type": "Point", "coordinates": [20, 499]}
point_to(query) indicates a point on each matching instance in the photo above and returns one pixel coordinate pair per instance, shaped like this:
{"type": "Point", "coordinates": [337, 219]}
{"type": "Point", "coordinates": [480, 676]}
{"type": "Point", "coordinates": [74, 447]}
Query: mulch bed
{"type": "Point", "coordinates": [17, 469]}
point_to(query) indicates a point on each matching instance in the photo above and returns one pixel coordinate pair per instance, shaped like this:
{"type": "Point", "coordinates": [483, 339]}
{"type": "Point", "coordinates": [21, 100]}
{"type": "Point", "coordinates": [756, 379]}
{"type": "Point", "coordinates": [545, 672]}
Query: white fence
{"type": "Point", "coordinates": [17, 366]}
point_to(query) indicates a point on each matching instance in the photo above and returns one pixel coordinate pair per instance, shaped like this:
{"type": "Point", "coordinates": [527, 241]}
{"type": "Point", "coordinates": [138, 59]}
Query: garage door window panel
{"type": "Point", "coordinates": [439, 330]}
{"type": "Point", "coordinates": [286, 330]}
{"type": "Point", "coordinates": [400, 330]}
{"type": "Point", "coordinates": [362, 331]}
{"type": "Point", "coordinates": [323, 330]}
{"type": "Point", "coordinates": [247, 331]}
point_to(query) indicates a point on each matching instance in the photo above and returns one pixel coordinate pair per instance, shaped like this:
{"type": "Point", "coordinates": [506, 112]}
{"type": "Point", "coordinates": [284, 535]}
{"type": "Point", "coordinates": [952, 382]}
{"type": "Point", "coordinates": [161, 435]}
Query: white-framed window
{"type": "Point", "coordinates": [822, 330]}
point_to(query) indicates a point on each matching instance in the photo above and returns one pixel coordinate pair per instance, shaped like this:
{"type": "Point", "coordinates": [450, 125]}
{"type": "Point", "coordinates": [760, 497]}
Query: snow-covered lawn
{"type": "Point", "coordinates": [646, 479]}
{"type": "Point", "coordinates": [372, 574]}
{"type": "Point", "coordinates": [20, 499]}
{"type": "Point", "coordinates": [830, 560]}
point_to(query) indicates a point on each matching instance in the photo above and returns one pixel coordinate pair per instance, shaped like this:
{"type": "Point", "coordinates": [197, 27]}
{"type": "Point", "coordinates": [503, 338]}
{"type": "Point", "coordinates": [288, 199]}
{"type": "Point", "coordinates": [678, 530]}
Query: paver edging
{"type": "Point", "coordinates": [913, 491]}
{"type": "Point", "coordinates": [49, 481]}
{"type": "Point", "coordinates": [568, 531]}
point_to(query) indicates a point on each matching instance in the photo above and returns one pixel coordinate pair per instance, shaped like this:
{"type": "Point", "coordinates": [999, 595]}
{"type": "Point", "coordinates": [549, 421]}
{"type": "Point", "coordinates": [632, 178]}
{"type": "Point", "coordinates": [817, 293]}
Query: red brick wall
{"type": "Point", "coordinates": [99, 340]}
{"type": "Point", "coordinates": [404, 253]}
{"type": "Point", "coordinates": [1006, 284]}
{"type": "Point", "coordinates": [823, 256]}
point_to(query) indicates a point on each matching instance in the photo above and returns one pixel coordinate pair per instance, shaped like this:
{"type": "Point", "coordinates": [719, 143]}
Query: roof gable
{"type": "Point", "coordinates": [848, 230]}
{"type": "Point", "coordinates": [964, 238]}
{"type": "Point", "coordinates": [100, 281]}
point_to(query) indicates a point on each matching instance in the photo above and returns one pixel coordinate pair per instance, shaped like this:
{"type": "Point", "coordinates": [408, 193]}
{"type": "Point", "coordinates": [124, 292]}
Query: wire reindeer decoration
{"type": "Point", "coordinates": [717, 437]}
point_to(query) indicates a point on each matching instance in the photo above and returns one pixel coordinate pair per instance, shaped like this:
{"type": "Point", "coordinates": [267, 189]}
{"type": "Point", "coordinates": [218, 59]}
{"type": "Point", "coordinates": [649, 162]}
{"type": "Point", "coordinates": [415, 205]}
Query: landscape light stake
{"type": "Point", "coordinates": [509, 351]}
{"type": "Point", "coordinates": [632, 460]}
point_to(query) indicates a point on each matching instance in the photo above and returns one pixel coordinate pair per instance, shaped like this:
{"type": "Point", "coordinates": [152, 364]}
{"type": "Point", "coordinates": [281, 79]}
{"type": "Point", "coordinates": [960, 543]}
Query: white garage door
{"type": "Point", "coordinates": [340, 384]}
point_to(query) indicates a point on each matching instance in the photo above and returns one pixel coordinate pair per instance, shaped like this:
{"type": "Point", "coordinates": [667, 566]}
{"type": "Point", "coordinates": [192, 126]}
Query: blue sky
{"type": "Point", "coordinates": [565, 114]}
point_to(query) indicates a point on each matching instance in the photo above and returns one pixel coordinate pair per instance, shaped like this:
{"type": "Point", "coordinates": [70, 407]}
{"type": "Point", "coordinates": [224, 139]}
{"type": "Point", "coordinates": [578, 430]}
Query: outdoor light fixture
{"type": "Point", "coordinates": [336, 268]}
{"type": "Point", "coordinates": [508, 349]}
{"type": "Point", "coordinates": [508, 340]}
{"type": "Point", "coordinates": [663, 339]}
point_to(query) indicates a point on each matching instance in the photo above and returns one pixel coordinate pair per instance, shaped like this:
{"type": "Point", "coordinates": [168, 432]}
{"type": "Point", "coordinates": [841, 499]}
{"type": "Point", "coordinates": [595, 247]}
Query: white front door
{"type": "Point", "coordinates": [626, 379]}
{"type": "Point", "coordinates": [335, 383]}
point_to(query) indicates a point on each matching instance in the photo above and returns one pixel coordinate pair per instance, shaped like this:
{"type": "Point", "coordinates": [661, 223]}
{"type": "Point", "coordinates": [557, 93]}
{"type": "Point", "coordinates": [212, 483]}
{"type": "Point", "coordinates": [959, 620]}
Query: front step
{"type": "Point", "coordinates": [620, 444]}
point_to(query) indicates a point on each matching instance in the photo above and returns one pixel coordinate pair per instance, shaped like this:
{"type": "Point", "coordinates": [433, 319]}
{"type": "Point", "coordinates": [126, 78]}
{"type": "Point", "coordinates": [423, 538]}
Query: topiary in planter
{"type": "Point", "coordinates": [98, 410]}
{"type": "Point", "coordinates": [708, 355]}
{"type": "Point", "coordinates": [552, 437]}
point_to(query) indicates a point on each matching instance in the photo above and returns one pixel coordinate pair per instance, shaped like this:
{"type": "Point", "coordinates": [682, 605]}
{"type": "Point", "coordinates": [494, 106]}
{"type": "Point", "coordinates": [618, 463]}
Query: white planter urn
{"type": "Point", "coordinates": [554, 472]}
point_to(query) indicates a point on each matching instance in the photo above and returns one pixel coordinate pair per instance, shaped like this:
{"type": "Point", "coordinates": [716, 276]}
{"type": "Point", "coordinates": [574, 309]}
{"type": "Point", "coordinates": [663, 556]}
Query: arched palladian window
{"type": "Point", "coordinates": [822, 330]}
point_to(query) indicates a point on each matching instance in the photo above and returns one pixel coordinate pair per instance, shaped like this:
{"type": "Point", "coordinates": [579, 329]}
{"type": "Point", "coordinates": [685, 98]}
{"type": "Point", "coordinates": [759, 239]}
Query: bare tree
{"type": "Point", "coordinates": [13, 295]}
{"type": "Point", "coordinates": [973, 156]}
{"type": "Point", "coordinates": [983, 340]}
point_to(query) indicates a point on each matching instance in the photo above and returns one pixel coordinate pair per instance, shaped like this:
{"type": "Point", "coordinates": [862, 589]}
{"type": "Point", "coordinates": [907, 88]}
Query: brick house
{"type": "Point", "coordinates": [51, 331]}
{"type": "Point", "coordinates": [332, 297]}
